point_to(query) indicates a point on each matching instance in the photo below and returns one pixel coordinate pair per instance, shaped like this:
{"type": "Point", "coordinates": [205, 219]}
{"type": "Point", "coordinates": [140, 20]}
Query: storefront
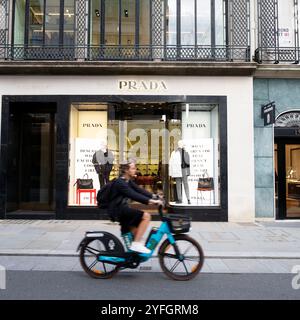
{"type": "Point", "coordinates": [192, 141]}
{"type": "Point", "coordinates": [287, 168]}
{"type": "Point", "coordinates": [277, 150]}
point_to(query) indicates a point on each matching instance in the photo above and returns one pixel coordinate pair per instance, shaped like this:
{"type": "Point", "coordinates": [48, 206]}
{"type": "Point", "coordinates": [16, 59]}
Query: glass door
{"type": "Point", "coordinates": [36, 184]}
{"type": "Point", "coordinates": [292, 167]}
{"type": "Point", "coordinates": [142, 137]}
{"type": "Point", "coordinates": [287, 179]}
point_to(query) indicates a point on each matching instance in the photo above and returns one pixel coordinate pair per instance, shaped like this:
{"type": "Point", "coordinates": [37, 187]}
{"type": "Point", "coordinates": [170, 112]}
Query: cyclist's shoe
{"type": "Point", "coordinates": [138, 247]}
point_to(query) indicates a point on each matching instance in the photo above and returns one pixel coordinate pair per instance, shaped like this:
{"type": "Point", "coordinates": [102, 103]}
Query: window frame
{"type": "Point", "coordinates": [102, 22]}
{"type": "Point", "coordinates": [27, 18]}
{"type": "Point", "coordinates": [212, 27]}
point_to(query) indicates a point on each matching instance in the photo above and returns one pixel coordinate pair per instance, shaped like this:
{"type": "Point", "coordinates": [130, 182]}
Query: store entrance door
{"type": "Point", "coordinates": [145, 134]}
{"type": "Point", "coordinates": [287, 178]}
{"type": "Point", "coordinates": [31, 149]}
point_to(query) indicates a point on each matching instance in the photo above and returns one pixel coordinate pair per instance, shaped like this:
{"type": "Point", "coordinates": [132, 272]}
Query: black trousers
{"type": "Point", "coordinates": [103, 174]}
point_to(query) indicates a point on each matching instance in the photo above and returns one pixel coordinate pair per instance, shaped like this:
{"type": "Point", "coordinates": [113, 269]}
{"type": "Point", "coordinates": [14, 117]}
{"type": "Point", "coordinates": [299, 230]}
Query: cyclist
{"type": "Point", "coordinates": [130, 219]}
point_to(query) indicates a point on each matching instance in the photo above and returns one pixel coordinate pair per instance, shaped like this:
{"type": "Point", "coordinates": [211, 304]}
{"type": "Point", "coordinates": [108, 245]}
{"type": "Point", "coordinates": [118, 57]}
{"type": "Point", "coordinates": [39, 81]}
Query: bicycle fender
{"type": "Point", "coordinates": [80, 244]}
{"type": "Point", "coordinates": [111, 242]}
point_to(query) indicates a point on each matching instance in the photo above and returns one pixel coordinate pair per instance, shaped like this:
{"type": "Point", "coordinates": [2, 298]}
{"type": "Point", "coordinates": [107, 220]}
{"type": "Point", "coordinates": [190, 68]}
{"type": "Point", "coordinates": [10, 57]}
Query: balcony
{"type": "Point", "coordinates": [277, 55]}
{"type": "Point", "coordinates": [126, 53]}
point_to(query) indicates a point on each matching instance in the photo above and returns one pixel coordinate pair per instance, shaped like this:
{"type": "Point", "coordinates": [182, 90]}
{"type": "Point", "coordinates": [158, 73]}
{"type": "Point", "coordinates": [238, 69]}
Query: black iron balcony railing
{"type": "Point", "coordinates": [277, 54]}
{"type": "Point", "coordinates": [125, 53]}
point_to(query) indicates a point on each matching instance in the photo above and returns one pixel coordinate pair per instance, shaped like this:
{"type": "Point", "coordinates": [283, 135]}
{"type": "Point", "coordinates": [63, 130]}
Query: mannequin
{"type": "Point", "coordinates": [179, 168]}
{"type": "Point", "coordinates": [103, 162]}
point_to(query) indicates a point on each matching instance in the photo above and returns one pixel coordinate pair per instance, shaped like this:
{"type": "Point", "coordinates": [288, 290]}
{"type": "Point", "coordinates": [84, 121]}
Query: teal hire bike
{"type": "Point", "coordinates": [181, 257]}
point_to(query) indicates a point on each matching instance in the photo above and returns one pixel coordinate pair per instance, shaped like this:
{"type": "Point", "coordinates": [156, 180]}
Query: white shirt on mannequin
{"type": "Point", "coordinates": [175, 170]}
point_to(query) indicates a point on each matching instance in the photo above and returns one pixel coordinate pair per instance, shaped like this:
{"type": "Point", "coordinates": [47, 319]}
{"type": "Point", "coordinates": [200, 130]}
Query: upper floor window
{"type": "Point", "coordinates": [119, 22]}
{"type": "Point", "coordinates": [287, 23]}
{"type": "Point", "coordinates": [195, 22]}
{"type": "Point", "coordinates": [44, 22]}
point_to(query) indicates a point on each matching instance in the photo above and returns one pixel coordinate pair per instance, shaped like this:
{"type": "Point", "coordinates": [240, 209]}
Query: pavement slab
{"type": "Point", "coordinates": [264, 240]}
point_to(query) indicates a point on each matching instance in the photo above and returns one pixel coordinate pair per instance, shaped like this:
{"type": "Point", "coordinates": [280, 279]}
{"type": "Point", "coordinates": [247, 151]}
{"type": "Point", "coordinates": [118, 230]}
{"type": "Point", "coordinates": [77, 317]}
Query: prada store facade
{"type": "Point", "coordinates": [58, 148]}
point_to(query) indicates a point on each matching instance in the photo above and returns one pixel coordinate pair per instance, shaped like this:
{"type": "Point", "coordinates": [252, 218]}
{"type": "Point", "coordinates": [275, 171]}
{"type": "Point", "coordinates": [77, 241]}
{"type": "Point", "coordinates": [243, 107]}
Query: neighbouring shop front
{"type": "Point", "coordinates": [58, 150]}
{"type": "Point", "coordinates": [277, 150]}
{"type": "Point", "coordinates": [287, 165]}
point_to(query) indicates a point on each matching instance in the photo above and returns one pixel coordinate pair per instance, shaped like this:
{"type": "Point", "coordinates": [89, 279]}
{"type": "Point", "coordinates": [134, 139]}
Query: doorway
{"type": "Point", "coordinates": [143, 131]}
{"type": "Point", "coordinates": [287, 178]}
{"type": "Point", "coordinates": [31, 173]}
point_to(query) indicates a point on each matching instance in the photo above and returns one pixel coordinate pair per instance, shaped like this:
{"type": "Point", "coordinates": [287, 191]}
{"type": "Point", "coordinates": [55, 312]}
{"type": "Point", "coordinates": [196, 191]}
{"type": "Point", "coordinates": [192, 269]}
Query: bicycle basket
{"type": "Point", "coordinates": [179, 223]}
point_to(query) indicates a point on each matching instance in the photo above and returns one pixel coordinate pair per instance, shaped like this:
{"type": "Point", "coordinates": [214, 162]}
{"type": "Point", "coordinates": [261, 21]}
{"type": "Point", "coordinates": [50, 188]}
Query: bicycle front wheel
{"type": "Point", "coordinates": [187, 264]}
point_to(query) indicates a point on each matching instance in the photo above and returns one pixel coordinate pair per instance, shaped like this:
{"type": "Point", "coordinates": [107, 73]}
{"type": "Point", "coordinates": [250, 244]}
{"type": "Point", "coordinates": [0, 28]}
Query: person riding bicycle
{"type": "Point", "coordinates": [130, 219]}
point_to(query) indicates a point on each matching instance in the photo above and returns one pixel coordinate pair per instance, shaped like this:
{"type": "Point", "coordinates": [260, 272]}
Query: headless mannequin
{"type": "Point", "coordinates": [181, 162]}
{"type": "Point", "coordinates": [103, 162]}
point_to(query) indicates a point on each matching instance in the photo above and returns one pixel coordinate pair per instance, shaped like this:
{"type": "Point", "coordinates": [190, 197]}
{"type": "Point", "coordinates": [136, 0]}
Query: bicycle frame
{"type": "Point", "coordinates": [151, 244]}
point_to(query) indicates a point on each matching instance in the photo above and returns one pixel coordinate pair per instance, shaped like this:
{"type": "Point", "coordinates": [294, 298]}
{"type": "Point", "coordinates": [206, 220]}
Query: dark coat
{"type": "Point", "coordinates": [121, 192]}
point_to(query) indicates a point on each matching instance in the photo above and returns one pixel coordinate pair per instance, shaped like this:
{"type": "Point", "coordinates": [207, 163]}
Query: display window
{"type": "Point", "coordinates": [194, 160]}
{"type": "Point", "coordinates": [175, 147]}
{"type": "Point", "coordinates": [87, 140]}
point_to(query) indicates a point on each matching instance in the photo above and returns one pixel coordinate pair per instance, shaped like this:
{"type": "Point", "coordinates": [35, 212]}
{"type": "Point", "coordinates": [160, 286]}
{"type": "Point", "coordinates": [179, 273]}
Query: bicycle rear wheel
{"type": "Point", "coordinates": [89, 252]}
{"type": "Point", "coordinates": [188, 264]}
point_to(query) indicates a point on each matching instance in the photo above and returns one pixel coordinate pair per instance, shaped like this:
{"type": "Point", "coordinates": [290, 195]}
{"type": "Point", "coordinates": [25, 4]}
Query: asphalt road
{"type": "Point", "coordinates": [58, 285]}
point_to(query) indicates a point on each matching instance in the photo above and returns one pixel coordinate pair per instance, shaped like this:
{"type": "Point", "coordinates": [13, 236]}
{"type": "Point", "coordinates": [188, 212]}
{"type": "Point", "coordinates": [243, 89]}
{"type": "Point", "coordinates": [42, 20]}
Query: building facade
{"type": "Point", "coordinates": [277, 158]}
{"type": "Point", "coordinates": [172, 84]}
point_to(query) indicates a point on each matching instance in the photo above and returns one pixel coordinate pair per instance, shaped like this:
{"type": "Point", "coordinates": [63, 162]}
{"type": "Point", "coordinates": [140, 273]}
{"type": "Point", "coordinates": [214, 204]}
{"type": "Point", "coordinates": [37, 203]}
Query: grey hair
{"type": "Point", "coordinates": [124, 166]}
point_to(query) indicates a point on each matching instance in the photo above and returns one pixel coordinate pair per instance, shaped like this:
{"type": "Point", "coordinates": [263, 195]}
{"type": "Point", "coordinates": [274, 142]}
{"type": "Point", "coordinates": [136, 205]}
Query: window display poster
{"type": "Point", "coordinates": [196, 124]}
{"type": "Point", "coordinates": [201, 164]}
{"type": "Point", "coordinates": [84, 168]}
{"type": "Point", "coordinates": [196, 134]}
{"type": "Point", "coordinates": [92, 124]}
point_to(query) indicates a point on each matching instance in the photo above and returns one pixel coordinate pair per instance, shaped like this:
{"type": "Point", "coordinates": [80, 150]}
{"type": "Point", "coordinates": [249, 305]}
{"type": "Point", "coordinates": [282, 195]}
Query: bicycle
{"type": "Point", "coordinates": [102, 254]}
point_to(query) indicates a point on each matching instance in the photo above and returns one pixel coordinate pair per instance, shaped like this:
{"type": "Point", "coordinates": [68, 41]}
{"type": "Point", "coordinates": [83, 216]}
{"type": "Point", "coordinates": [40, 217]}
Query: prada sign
{"type": "Point", "coordinates": [92, 125]}
{"type": "Point", "coordinates": [138, 85]}
{"type": "Point", "coordinates": [196, 125]}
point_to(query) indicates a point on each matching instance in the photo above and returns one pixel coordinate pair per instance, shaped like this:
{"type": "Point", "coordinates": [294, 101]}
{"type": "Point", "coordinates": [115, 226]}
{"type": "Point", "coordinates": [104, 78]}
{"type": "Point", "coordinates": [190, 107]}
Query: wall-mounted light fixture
{"type": "Point", "coordinates": [126, 13]}
{"type": "Point", "coordinates": [97, 13]}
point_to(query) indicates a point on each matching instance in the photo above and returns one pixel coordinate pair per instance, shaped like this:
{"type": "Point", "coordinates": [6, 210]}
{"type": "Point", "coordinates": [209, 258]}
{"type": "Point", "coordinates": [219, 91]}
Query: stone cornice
{"type": "Point", "coordinates": [157, 68]}
{"type": "Point", "coordinates": [277, 71]}
{"type": "Point", "coordinates": [127, 68]}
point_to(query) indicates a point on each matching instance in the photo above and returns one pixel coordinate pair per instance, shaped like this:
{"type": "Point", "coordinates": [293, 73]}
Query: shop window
{"type": "Point", "coordinates": [88, 134]}
{"type": "Point", "coordinates": [194, 159]}
{"type": "Point", "coordinates": [175, 147]}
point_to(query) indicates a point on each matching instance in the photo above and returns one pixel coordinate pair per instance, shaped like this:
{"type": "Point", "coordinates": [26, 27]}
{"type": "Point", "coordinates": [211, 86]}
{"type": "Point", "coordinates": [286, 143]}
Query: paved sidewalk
{"type": "Point", "coordinates": [265, 247]}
